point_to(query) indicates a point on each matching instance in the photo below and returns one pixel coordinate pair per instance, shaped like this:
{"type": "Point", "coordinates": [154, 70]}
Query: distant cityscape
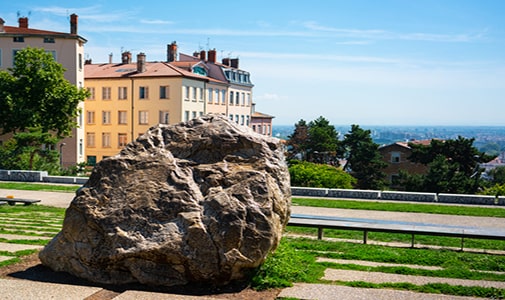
{"type": "Point", "coordinates": [487, 138]}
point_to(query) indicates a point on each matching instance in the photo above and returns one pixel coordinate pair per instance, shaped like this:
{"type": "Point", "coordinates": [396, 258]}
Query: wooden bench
{"type": "Point", "coordinates": [13, 201]}
{"type": "Point", "coordinates": [321, 223]}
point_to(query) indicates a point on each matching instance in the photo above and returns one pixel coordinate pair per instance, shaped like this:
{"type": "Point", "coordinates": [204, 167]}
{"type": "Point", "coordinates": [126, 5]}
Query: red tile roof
{"type": "Point", "coordinates": [13, 30]}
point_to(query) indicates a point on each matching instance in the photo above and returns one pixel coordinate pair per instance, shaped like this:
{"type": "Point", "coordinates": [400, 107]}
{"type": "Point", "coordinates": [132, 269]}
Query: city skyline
{"type": "Point", "coordinates": [353, 62]}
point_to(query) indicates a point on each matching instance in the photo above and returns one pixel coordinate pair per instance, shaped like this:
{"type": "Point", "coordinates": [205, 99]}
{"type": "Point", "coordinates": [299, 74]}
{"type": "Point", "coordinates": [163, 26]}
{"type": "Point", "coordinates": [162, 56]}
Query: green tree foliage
{"type": "Point", "coordinates": [497, 175]}
{"type": "Point", "coordinates": [323, 144]}
{"type": "Point", "coordinates": [364, 161]}
{"type": "Point", "coordinates": [307, 174]}
{"type": "Point", "coordinates": [38, 106]}
{"type": "Point", "coordinates": [453, 167]}
{"type": "Point", "coordinates": [35, 94]}
{"type": "Point", "coordinates": [298, 141]}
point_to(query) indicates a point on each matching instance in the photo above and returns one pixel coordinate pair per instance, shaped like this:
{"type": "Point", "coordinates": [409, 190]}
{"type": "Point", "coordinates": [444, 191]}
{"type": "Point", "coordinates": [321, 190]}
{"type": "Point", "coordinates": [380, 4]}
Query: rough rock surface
{"type": "Point", "coordinates": [197, 202]}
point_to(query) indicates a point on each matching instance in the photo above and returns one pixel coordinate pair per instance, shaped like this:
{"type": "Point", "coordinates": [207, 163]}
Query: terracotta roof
{"type": "Point", "coordinates": [13, 30]}
{"type": "Point", "coordinates": [153, 69]}
{"type": "Point", "coordinates": [261, 115]}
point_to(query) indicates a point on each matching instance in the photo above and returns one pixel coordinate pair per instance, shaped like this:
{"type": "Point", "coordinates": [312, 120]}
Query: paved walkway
{"type": "Point", "coordinates": [12, 288]}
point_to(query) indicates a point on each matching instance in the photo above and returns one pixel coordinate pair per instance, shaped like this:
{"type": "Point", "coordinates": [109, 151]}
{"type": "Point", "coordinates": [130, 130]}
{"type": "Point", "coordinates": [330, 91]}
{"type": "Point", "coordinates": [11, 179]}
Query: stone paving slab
{"type": "Point", "coordinates": [4, 258]}
{"type": "Point", "coordinates": [375, 264]}
{"type": "Point", "coordinates": [379, 277]}
{"type": "Point", "coordinates": [309, 291]}
{"type": "Point", "coordinates": [139, 295]}
{"type": "Point", "coordinates": [33, 290]}
{"type": "Point", "coordinates": [22, 237]}
{"type": "Point", "coordinates": [18, 247]}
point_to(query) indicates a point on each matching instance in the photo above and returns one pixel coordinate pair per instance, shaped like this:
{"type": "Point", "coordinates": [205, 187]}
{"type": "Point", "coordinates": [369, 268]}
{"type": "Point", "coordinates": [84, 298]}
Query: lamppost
{"type": "Point", "coordinates": [61, 154]}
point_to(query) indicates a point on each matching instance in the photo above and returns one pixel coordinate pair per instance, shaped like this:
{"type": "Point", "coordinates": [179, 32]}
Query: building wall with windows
{"type": "Point", "coordinates": [68, 50]}
{"type": "Point", "coordinates": [396, 157]}
{"type": "Point", "coordinates": [126, 101]}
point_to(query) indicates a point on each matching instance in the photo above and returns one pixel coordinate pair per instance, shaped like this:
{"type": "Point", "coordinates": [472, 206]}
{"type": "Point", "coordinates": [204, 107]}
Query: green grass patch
{"type": "Point", "coordinates": [70, 188]}
{"type": "Point", "coordinates": [403, 207]}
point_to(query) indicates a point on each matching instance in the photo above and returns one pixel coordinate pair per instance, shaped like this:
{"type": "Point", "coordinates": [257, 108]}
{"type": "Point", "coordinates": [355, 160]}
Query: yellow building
{"type": "Point", "coordinates": [68, 50]}
{"type": "Point", "coordinates": [126, 99]}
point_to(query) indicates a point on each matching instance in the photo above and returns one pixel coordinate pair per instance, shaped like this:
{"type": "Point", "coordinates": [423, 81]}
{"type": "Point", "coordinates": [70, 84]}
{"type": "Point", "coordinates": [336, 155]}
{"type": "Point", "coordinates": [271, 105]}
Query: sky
{"type": "Point", "coordinates": [388, 62]}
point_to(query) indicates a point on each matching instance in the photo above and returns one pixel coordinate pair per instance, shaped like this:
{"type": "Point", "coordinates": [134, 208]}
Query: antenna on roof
{"type": "Point", "coordinates": [208, 43]}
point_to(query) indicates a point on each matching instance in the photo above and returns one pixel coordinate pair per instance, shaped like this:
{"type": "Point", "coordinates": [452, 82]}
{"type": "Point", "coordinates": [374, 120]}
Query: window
{"type": "Point", "coordinates": [193, 95]}
{"type": "Point", "coordinates": [105, 93]}
{"type": "Point", "coordinates": [143, 117]}
{"type": "Point", "coordinates": [80, 116]}
{"type": "Point", "coordinates": [193, 114]}
{"type": "Point", "coordinates": [106, 139]}
{"type": "Point", "coordinates": [243, 99]}
{"type": "Point", "coordinates": [186, 115]}
{"type": "Point", "coordinates": [211, 95]}
{"type": "Point", "coordinates": [90, 139]}
{"type": "Point", "coordinates": [18, 39]}
{"type": "Point", "coordinates": [81, 148]}
{"type": "Point", "coordinates": [122, 117]}
{"type": "Point", "coordinates": [236, 118]}
{"type": "Point", "coordinates": [91, 91]}
{"type": "Point", "coordinates": [186, 93]}
{"type": "Point", "coordinates": [122, 139]}
{"type": "Point", "coordinates": [200, 94]}
{"type": "Point", "coordinates": [49, 40]}
{"type": "Point", "coordinates": [248, 99]}
{"type": "Point", "coordinates": [164, 117]}
{"type": "Point", "coordinates": [237, 98]}
{"type": "Point", "coordinates": [144, 92]}
{"type": "Point", "coordinates": [217, 97]}
{"type": "Point", "coordinates": [242, 120]}
{"type": "Point", "coordinates": [223, 97]}
{"type": "Point", "coordinates": [395, 157]}
{"type": "Point", "coordinates": [247, 120]}
{"type": "Point", "coordinates": [231, 98]}
{"type": "Point", "coordinates": [80, 61]}
{"type": "Point", "coordinates": [106, 117]}
{"type": "Point", "coordinates": [90, 117]}
{"type": "Point", "coordinates": [122, 93]}
{"type": "Point", "coordinates": [0, 57]}
{"type": "Point", "coordinates": [91, 160]}
{"type": "Point", "coordinates": [164, 92]}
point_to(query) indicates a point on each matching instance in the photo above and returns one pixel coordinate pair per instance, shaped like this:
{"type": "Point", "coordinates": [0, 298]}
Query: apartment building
{"type": "Point", "coordinates": [127, 98]}
{"type": "Point", "coordinates": [68, 50]}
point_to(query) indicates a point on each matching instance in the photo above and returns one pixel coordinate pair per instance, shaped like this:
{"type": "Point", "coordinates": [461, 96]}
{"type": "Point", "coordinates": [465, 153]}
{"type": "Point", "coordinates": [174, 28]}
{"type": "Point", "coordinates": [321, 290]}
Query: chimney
{"type": "Point", "coordinates": [212, 56]}
{"type": "Point", "coordinates": [226, 61]}
{"type": "Point", "coordinates": [73, 24]}
{"type": "Point", "coordinates": [202, 55]}
{"type": "Point", "coordinates": [88, 62]}
{"type": "Point", "coordinates": [110, 58]}
{"type": "Point", "coordinates": [23, 22]}
{"type": "Point", "coordinates": [141, 62]}
{"type": "Point", "coordinates": [126, 57]}
{"type": "Point", "coordinates": [172, 52]}
{"type": "Point", "coordinates": [234, 63]}
{"type": "Point", "coordinates": [2, 22]}
{"type": "Point", "coordinates": [196, 54]}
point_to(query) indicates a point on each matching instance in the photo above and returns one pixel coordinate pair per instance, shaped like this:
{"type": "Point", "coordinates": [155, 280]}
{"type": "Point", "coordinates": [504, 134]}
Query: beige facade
{"type": "Point", "coordinates": [68, 50]}
{"type": "Point", "coordinates": [127, 99]}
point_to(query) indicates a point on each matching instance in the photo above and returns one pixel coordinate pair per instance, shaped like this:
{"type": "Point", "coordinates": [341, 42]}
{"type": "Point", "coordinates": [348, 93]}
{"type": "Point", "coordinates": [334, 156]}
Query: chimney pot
{"type": "Point", "coordinates": [23, 22]}
{"type": "Point", "coordinates": [234, 63]}
{"type": "Point", "coordinates": [73, 23]}
{"type": "Point", "coordinates": [202, 55]}
{"type": "Point", "coordinates": [126, 57]}
{"type": "Point", "coordinates": [212, 56]}
{"type": "Point", "coordinates": [172, 52]}
{"type": "Point", "coordinates": [226, 61]}
{"type": "Point", "coordinates": [141, 62]}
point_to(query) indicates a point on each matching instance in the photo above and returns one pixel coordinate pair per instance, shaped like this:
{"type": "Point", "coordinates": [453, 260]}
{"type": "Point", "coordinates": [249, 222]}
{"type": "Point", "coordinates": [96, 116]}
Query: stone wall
{"type": "Point", "coordinates": [38, 176]}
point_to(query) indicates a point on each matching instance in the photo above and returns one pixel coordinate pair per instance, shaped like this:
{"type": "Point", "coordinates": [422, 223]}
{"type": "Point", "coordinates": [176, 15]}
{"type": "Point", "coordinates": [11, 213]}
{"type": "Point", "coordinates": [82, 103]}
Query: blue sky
{"type": "Point", "coordinates": [388, 62]}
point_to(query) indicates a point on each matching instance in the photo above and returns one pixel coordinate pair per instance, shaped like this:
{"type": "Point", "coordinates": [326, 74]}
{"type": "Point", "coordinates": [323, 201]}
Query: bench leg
{"type": "Point", "coordinates": [320, 233]}
{"type": "Point", "coordinates": [365, 236]}
{"type": "Point", "coordinates": [11, 203]}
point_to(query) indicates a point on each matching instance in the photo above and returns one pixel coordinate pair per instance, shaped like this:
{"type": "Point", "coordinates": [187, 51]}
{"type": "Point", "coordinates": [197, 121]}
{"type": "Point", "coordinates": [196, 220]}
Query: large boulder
{"type": "Point", "coordinates": [197, 202]}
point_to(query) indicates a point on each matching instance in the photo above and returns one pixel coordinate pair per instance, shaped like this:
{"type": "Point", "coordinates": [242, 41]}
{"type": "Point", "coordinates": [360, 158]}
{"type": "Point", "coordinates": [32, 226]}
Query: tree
{"type": "Point", "coordinates": [364, 161]}
{"type": "Point", "coordinates": [35, 94]}
{"type": "Point", "coordinates": [453, 167]}
{"type": "Point", "coordinates": [298, 141]}
{"type": "Point", "coordinates": [323, 144]}
{"type": "Point", "coordinates": [497, 175]}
